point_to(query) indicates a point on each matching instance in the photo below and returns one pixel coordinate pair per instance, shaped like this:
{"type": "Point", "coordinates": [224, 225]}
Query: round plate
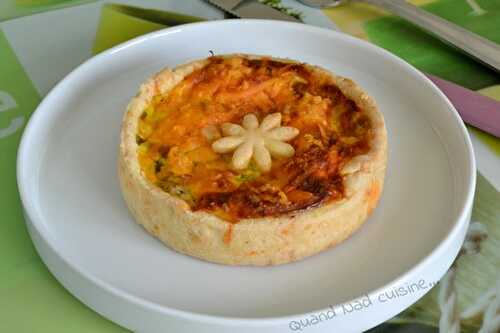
{"type": "Point", "coordinates": [86, 236]}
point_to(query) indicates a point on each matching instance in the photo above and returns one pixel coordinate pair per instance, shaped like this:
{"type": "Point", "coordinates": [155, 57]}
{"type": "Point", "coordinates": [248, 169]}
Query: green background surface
{"type": "Point", "coordinates": [433, 56]}
{"type": "Point", "coordinates": [31, 300]}
{"type": "Point", "coordinates": [10, 9]}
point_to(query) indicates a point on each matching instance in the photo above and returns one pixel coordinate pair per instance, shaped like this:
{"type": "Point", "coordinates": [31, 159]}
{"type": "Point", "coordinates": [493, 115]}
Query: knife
{"type": "Point", "coordinates": [477, 110]}
{"type": "Point", "coordinates": [251, 9]}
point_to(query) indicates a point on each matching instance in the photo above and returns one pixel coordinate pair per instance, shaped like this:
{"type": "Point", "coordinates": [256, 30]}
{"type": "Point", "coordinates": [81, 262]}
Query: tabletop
{"type": "Point", "coordinates": [43, 40]}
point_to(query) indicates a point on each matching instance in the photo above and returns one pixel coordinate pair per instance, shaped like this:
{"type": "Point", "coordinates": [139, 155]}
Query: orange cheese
{"type": "Point", "coordinates": [176, 156]}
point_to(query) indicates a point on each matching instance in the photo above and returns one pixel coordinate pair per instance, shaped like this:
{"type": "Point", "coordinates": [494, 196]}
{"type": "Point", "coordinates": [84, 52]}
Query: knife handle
{"type": "Point", "coordinates": [478, 47]}
{"type": "Point", "coordinates": [475, 109]}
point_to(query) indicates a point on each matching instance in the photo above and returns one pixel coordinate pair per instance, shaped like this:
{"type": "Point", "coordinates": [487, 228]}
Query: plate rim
{"type": "Point", "coordinates": [32, 217]}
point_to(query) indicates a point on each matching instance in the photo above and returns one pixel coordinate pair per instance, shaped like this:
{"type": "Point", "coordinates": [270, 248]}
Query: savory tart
{"type": "Point", "coordinates": [251, 160]}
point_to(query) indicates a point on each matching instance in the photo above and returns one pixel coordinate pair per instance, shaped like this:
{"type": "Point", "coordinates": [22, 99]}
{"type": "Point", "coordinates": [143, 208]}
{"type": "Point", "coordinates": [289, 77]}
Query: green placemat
{"type": "Point", "coordinates": [120, 23]}
{"type": "Point", "coordinates": [430, 54]}
{"type": "Point", "coordinates": [18, 99]}
{"type": "Point", "coordinates": [14, 8]}
{"type": "Point", "coordinates": [31, 300]}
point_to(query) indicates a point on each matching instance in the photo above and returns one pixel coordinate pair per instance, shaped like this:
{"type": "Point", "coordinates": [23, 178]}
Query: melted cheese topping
{"type": "Point", "coordinates": [175, 155]}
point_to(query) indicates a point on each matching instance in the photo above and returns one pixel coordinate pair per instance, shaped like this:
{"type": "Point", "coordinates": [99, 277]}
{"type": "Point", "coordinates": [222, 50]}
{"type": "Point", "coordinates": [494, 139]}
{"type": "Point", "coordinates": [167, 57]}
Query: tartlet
{"type": "Point", "coordinates": [251, 160]}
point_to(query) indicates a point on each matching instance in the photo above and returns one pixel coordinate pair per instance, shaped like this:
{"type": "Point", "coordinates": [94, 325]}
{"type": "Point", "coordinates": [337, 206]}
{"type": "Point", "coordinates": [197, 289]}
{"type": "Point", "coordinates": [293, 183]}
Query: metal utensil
{"type": "Point", "coordinates": [474, 45]}
{"type": "Point", "coordinates": [251, 9]}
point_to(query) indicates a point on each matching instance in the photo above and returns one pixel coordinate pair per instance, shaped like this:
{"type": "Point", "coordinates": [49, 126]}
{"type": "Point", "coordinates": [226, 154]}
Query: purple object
{"type": "Point", "coordinates": [475, 109]}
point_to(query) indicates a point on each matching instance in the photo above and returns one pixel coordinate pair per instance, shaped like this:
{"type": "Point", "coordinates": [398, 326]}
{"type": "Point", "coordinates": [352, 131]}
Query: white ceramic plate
{"type": "Point", "coordinates": [84, 233]}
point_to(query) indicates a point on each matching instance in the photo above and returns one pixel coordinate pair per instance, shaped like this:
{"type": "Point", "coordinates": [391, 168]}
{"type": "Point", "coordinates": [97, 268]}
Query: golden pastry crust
{"type": "Point", "coordinates": [253, 241]}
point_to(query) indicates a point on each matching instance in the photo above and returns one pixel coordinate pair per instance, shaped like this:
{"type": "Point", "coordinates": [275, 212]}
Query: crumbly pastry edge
{"type": "Point", "coordinates": [256, 241]}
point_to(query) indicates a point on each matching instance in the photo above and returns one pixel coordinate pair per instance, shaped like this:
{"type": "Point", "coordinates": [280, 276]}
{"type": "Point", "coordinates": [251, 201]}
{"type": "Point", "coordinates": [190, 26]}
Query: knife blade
{"type": "Point", "coordinates": [251, 9]}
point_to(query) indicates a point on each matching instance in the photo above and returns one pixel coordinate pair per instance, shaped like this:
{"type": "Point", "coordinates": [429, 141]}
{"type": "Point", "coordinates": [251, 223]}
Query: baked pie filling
{"type": "Point", "coordinates": [243, 138]}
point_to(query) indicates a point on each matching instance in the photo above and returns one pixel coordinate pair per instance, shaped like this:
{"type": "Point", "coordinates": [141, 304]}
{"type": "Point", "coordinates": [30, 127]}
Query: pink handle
{"type": "Point", "coordinates": [475, 109]}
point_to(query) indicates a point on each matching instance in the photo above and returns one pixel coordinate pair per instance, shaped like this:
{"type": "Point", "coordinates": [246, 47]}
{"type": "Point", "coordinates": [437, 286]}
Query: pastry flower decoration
{"type": "Point", "coordinates": [258, 142]}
